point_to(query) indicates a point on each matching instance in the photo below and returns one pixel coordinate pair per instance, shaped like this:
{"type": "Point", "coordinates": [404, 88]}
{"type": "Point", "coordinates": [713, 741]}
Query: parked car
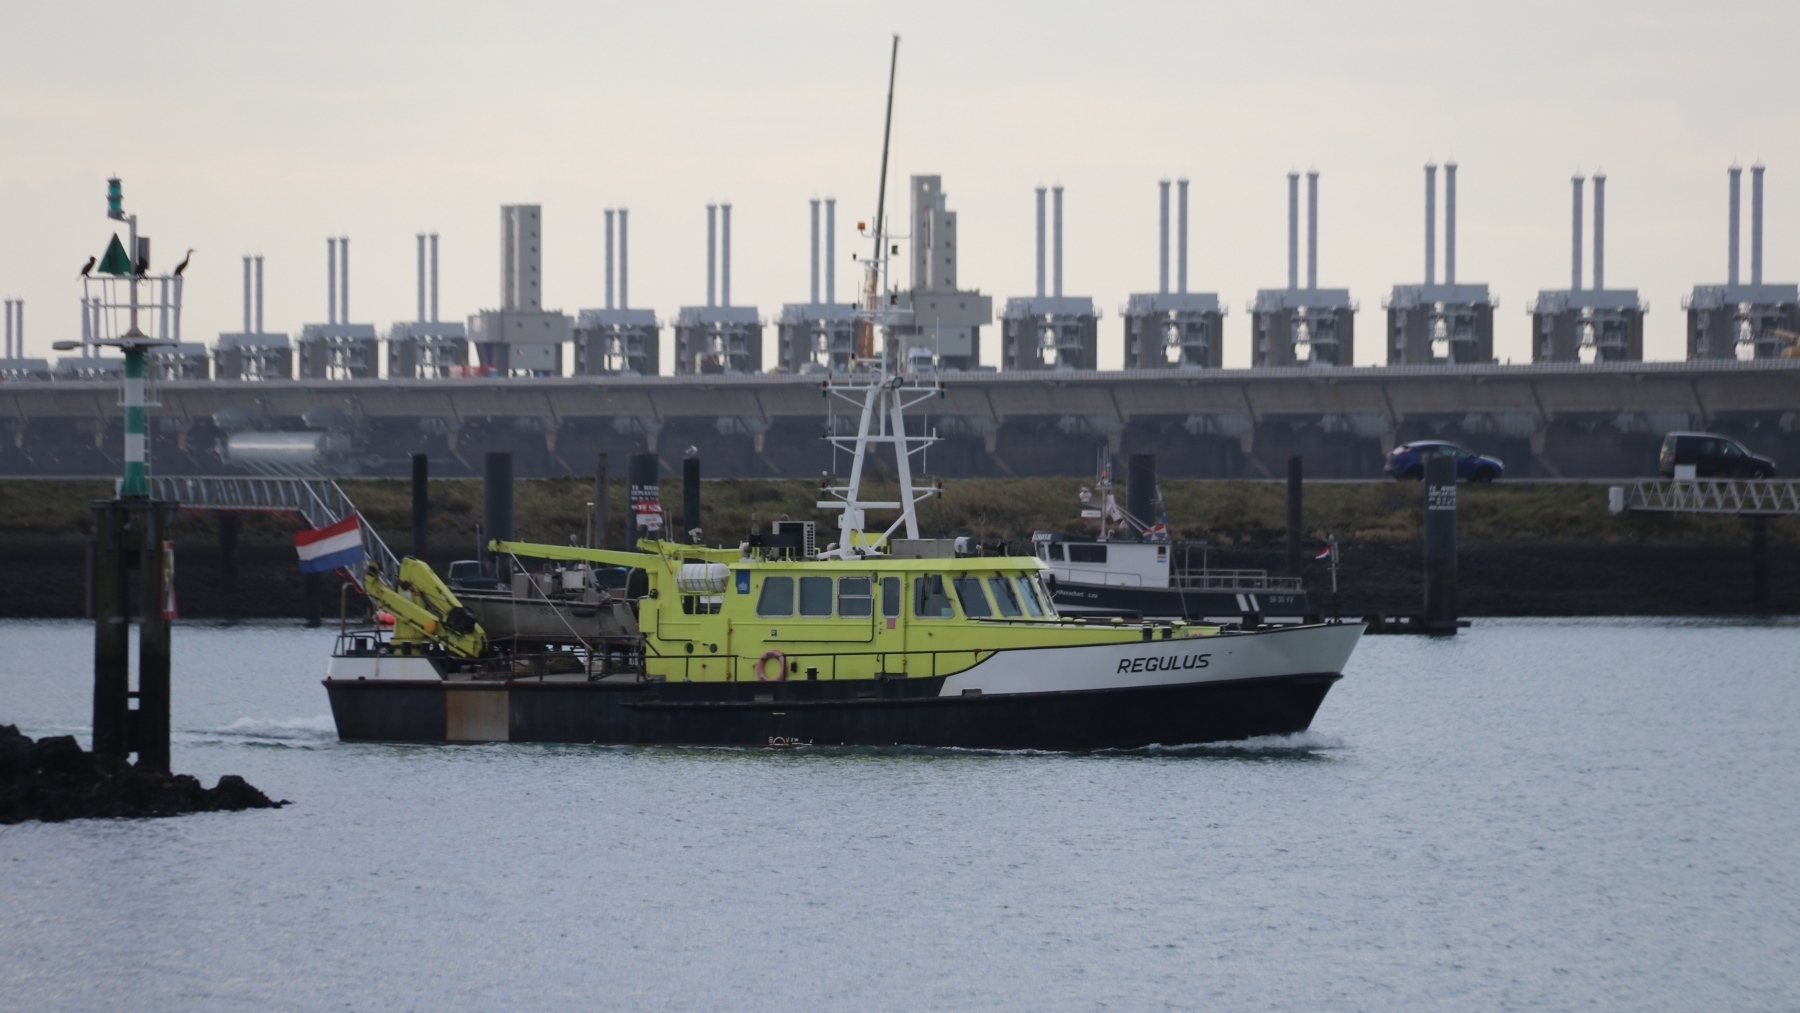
{"type": "Point", "coordinates": [1713, 456]}
{"type": "Point", "coordinates": [1407, 461]}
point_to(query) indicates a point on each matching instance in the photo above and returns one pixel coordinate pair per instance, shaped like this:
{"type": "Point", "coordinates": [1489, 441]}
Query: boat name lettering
{"type": "Point", "coordinates": [1167, 664]}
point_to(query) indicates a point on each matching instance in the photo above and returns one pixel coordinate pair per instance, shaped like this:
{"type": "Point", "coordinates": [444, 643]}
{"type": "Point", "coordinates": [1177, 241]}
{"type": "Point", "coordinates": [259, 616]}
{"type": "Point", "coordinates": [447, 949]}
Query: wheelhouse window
{"type": "Point", "coordinates": [854, 601]}
{"type": "Point", "coordinates": [1079, 553]}
{"type": "Point", "coordinates": [930, 599]}
{"type": "Point", "coordinates": [974, 602]}
{"type": "Point", "coordinates": [815, 596]}
{"type": "Point", "coordinates": [1006, 597]}
{"type": "Point", "coordinates": [1028, 596]}
{"type": "Point", "coordinates": [890, 597]}
{"type": "Point", "coordinates": [777, 598]}
{"type": "Point", "coordinates": [1056, 551]}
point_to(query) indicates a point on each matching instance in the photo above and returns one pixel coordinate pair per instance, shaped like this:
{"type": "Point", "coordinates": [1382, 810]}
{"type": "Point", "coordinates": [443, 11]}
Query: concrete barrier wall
{"type": "Point", "coordinates": [1570, 421]}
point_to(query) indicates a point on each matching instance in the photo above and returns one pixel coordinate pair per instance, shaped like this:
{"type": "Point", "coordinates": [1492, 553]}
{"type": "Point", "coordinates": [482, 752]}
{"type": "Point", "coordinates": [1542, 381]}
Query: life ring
{"type": "Point", "coordinates": [762, 663]}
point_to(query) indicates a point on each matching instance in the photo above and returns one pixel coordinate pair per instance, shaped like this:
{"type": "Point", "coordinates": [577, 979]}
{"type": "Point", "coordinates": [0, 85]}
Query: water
{"type": "Point", "coordinates": [1534, 815]}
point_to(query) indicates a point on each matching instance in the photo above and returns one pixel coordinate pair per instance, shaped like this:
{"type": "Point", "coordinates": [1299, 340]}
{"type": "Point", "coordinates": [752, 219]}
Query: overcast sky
{"type": "Point", "coordinates": [247, 127]}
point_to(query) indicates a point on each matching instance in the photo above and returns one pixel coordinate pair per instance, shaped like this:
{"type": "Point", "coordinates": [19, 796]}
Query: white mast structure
{"type": "Point", "coordinates": [882, 394]}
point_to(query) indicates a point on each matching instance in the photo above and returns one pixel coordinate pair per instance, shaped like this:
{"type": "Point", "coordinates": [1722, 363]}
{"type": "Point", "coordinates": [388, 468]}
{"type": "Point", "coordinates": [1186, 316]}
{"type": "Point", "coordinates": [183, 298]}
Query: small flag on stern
{"type": "Point", "coordinates": [325, 549]}
{"type": "Point", "coordinates": [1324, 553]}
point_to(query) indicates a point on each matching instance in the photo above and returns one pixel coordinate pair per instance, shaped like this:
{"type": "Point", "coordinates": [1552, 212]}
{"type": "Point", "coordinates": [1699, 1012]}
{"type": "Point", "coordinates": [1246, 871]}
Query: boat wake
{"type": "Point", "coordinates": [292, 733]}
{"type": "Point", "coordinates": [1299, 745]}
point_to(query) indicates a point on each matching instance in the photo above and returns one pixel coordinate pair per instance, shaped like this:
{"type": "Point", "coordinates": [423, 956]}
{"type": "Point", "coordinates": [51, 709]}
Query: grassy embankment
{"type": "Point", "coordinates": [1224, 513]}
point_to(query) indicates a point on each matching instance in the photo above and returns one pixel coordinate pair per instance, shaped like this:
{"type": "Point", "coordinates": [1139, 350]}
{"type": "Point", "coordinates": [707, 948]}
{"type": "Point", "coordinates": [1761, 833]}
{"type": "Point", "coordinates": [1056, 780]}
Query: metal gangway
{"type": "Point", "coordinates": [1747, 496]}
{"type": "Point", "coordinates": [319, 500]}
{"type": "Point", "coordinates": [1754, 499]}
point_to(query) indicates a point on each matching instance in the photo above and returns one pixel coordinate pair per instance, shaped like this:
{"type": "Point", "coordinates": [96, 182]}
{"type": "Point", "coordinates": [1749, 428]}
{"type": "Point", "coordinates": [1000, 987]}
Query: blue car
{"type": "Point", "coordinates": [1407, 461]}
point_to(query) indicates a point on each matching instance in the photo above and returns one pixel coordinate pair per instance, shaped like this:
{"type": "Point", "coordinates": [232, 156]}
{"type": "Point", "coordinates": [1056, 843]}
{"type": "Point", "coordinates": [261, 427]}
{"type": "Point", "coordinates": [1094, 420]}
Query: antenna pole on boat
{"type": "Point", "coordinates": [865, 337]}
{"type": "Point", "coordinates": [880, 392]}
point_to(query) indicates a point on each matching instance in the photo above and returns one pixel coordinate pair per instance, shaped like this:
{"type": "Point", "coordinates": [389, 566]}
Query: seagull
{"type": "Point", "coordinates": [184, 263]}
{"type": "Point", "coordinates": [89, 266]}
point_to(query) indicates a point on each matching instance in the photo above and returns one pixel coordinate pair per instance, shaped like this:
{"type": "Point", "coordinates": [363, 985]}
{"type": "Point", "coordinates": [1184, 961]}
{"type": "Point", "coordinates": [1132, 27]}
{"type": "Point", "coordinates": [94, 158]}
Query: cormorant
{"type": "Point", "coordinates": [184, 263]}
{"type": "Point", "coordinates": [89, 266]}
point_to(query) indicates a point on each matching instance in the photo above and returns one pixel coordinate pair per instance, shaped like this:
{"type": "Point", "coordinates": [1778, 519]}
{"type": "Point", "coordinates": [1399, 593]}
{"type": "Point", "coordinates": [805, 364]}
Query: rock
{"type": "Point", "coordinates": [54, 779]}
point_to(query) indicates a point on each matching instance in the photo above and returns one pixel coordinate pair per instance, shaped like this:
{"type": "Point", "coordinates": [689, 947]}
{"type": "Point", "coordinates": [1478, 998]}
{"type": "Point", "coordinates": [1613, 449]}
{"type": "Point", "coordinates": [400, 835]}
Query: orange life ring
{"type": "Point", "coordinates": [780, 660]}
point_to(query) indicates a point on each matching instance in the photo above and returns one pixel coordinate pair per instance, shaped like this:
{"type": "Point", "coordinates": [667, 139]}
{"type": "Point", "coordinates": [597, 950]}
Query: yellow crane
{"type": "Point", "coordinates": [425, 610]}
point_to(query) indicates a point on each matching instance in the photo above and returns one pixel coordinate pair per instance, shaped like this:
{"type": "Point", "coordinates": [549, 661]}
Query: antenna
{"type": "Point", "coordinates": [881, 397]}
{"type": "Point", "coordinates": [865, 331]}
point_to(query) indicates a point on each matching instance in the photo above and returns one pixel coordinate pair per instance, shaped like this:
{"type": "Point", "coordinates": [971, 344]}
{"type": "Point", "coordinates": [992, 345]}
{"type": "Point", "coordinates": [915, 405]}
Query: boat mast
{"type": "Point", "coordinates": [880, 392]}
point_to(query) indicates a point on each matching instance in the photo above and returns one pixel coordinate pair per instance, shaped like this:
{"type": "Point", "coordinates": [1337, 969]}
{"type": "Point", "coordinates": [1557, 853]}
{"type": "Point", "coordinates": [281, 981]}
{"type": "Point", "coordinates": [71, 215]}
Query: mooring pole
{"type": "Point", "coordinates": [229, 526]}
{"type": "Point", "coordinates": [602, 518]}
{"type": "Point", "coordinates": [690, 498]}
{"type": "Point", "coordinates": [1295, 515]}
{"type": "Point", "coordinates": [1140, 489]}
{"type": "Point", "coordinates": [1759, 562]}
{"type": "Point", "coordinates": [1440, 543]}
{"type": "Point", "coordinates": [497, 500]}
{"type": "Point", "coordinates": [310, 590]}
{"type": "Point", "coordinates": [421, 505]}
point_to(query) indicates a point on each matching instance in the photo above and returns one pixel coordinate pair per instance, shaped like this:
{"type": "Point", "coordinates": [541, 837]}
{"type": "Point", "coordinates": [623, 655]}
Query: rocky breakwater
{"type": "Point", "coordinates": [54, 779]}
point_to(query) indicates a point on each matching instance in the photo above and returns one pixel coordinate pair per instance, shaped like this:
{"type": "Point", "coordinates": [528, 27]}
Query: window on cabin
{"type": "Point", "coordinates": [777, 598]}
{"type": "Point", "coordinates": [930, 600]}
{"type": "Point", "coordinates": [815, 596]}
{"type": "Point", "coordinates": [1006, 599]}
{"type": "Point", "coordinates": [1079, 553]}
{"type": "Point", "coordinates": [1028, 595]}
{"type": "Point", "coordinates": [974, 603]}
{"type": "Point", "coordinates": [706, 605]}
{"type": "Point", "coordinates": [854, 601]}
{"type": "Point", "coordinates": [1056, 551]}
{"type": "Point", "coordinates": [890, 597]}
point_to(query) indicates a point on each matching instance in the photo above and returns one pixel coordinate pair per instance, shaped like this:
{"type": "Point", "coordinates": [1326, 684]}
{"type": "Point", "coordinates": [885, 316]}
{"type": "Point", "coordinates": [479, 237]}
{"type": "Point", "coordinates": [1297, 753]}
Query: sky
{"type": "Point", "coordinates": [250, 127]}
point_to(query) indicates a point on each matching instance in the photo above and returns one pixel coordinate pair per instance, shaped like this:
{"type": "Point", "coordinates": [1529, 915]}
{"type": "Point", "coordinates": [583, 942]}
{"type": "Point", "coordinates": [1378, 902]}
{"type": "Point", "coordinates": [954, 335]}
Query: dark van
{"type": "Point", "coordinates": [1713, 456]}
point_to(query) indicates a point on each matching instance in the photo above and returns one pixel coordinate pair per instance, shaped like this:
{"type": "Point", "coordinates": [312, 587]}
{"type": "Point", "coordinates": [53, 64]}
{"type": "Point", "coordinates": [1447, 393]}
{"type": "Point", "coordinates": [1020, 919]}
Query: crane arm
{"type": "Point", "coordinates": [666, 553]}
{"type": "Point", "coordinates": [425, 610]}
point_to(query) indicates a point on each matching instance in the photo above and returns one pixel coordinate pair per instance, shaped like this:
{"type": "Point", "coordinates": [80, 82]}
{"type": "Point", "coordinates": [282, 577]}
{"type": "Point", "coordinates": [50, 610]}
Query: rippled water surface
{"type": "Point", "coordinates": [1533, 815]}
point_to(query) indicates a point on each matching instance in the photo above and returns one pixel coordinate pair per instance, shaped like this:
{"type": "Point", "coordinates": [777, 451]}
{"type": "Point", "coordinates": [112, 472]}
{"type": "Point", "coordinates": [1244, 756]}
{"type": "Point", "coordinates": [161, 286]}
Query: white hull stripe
{"type": "Point", "coordinates": [1299, 650]}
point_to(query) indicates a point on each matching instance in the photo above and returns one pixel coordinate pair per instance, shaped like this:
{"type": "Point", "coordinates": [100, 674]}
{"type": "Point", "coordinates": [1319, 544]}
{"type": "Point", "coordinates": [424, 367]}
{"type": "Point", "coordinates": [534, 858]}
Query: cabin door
{"type": "Point", "coordinates": [931, 624]}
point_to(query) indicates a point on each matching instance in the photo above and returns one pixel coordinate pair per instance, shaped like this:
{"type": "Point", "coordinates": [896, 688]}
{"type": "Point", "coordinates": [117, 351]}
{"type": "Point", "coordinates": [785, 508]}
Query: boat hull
{"type": "Point", "coordinates": [1120, 696]}
{"type": "Point", "coordinates": [394, 711]}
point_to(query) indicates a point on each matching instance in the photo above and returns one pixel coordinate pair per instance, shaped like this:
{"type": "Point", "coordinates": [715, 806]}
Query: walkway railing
{"type": "Point", "coordinates": [1710, 496]}
{"type": "Point", "coordinates": [318, 500]}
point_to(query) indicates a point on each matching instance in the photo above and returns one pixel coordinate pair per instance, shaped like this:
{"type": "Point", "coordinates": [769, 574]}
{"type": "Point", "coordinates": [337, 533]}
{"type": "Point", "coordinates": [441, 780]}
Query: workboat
{"type": "Point", "coordinates": [1129, 567]}
{"type": "Point", "coordinates": [880, 638]}
{"type": "Point", "coordinates": [760, 646]}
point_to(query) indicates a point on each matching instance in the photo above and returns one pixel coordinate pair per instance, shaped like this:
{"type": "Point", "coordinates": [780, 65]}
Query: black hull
{"type": "Point", "coordinates": [1165, 603]}
{"type": "Point", "coordinates": [885, 713]}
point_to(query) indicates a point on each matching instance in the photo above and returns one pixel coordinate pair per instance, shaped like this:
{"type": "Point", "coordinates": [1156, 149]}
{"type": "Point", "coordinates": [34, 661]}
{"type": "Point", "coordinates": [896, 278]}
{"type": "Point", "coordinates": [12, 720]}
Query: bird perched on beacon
{"type": "Point", "coordinates": [89, 266]}
{"type": "Point", "coordinates": [184, 263]}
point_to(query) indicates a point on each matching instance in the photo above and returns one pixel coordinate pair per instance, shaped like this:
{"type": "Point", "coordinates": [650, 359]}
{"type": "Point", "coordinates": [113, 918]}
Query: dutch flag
{"type": "Point", "coordinates": [1324, 553]}
{"type": "Point", "coordinates": [325, 549]}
